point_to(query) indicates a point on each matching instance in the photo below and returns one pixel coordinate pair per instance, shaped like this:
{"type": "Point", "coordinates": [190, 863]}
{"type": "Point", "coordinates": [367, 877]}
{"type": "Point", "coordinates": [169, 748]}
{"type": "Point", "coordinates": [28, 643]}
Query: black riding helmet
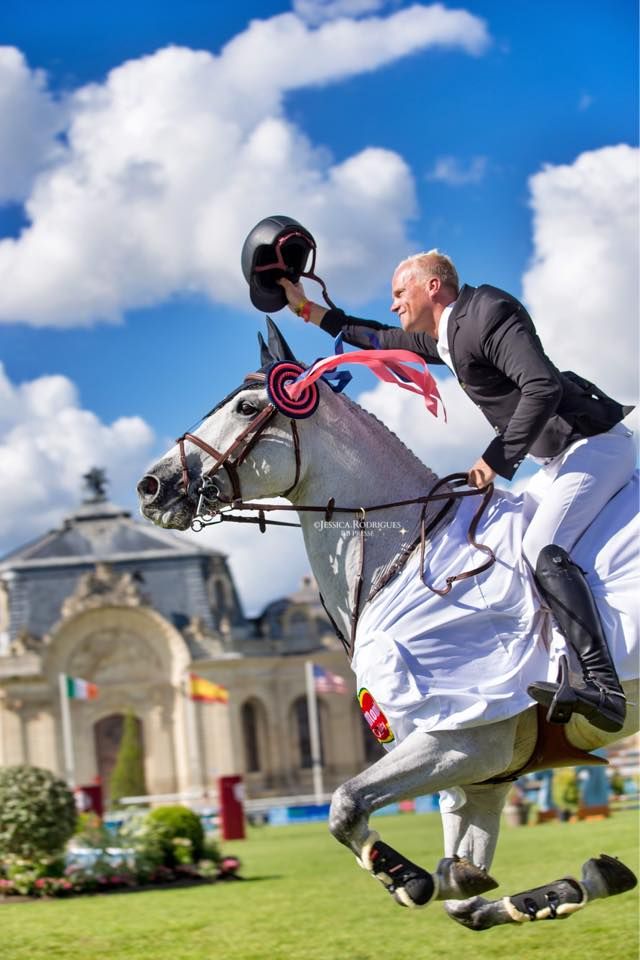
{"type": "Point", "coordinates": [277, 247]}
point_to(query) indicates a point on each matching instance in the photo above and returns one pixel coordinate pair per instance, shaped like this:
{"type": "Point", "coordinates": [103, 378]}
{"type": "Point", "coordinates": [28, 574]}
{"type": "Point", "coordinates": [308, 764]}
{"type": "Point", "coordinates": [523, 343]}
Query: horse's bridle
{"type": "Point", "coordinates": [232, 458]}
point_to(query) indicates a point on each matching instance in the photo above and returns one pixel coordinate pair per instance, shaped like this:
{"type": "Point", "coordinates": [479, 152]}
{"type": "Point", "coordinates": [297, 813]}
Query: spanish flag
{"type": "Point", "coordinates": [202, 689]}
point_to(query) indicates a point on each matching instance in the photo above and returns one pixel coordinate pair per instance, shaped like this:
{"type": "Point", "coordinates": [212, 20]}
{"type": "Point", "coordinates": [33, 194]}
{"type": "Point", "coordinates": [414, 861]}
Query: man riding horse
{"type": "Point", "coordinates": [560, 420]}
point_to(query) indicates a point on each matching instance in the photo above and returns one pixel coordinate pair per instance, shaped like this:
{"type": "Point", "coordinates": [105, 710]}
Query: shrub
{"type": "Point", "coordinates": [179, 822]}
{"type": "Point", "coordinates": [148, 840]}
{"type": "Point", "coordinates": [127, 779]}
{"type": "Point", "coordinates": [208, 870]}
{"type": "Point", "coordinates": [182, 850]}
{"type": "Point", "coordinates": [91, 832]}
{"type": "Point", "coordinates": [211, 850]}
{"type": "Point", "coordinates": [37, 813]}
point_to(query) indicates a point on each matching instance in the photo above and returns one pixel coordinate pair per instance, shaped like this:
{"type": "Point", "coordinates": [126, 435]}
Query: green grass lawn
{"type": "Point", "coordinates": [305, 898]}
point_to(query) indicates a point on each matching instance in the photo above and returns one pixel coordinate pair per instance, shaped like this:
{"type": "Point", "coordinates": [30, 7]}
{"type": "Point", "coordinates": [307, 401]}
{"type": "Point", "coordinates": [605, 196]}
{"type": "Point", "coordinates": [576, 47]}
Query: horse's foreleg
{"type": "Point", "coordinates": [471, 829]}
{"type": "Point", "coordinates": [602, 876]}
{"type": "Point", "coordinates": [422, 763]}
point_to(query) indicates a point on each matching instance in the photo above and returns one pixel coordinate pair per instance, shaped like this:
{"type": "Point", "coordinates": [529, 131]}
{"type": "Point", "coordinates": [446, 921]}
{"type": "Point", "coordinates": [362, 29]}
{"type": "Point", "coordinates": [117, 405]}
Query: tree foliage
{"type": "Point", "coordinates": [37, 813]}
{"type": "Point", "coordinates": [127, 779]}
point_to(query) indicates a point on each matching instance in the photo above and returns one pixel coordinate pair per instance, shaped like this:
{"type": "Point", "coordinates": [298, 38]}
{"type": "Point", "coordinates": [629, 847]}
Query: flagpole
{"type": "Point", "coordinates": [192, 738]}
{"type": "Point", "coordinates": [314, 732]}
{"type": "Point", "coordinates": [67, 739]}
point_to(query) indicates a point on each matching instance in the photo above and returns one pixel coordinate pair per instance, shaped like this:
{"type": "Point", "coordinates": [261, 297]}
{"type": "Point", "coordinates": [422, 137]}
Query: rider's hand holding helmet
{"type": "Point", "coordinates": [276, 253]}
{"type": "Point", "coordinates": [299, 303]}
{"type": "Point", "coordinates": [294, 292]}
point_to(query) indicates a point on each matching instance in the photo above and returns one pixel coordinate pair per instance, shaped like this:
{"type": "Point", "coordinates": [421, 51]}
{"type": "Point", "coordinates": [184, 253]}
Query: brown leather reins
{"type": "Point", "coordinates": [232, 458]}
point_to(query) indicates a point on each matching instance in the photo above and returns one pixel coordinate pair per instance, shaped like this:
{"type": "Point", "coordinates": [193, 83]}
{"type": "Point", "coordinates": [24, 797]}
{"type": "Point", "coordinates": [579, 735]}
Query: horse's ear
{"type": "Point", "coordinates": [278, 346]}
{"type": "Point", "coordinates": [266, 357]}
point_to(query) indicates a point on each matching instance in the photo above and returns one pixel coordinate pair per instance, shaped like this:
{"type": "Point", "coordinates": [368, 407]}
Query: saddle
{"type": "Point", "coordinates": [552, 749]}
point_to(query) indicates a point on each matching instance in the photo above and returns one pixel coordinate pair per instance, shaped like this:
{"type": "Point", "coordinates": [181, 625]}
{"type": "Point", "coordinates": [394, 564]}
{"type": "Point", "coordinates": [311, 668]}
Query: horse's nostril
{"type": "Point", "coordinates": [149, 487]}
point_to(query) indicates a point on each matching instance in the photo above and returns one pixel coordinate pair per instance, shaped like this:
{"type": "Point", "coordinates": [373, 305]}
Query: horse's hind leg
{"type": "Point", "coordinates": [471, 829]}
{"type": "Point", "coordinates": [422, 763]}
{"type": "Point", "coordinates": [602, 876]}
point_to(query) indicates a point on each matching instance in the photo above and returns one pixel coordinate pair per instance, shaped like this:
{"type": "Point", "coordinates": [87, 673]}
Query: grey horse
{"type": "Point", "coordinates": [340, 462]}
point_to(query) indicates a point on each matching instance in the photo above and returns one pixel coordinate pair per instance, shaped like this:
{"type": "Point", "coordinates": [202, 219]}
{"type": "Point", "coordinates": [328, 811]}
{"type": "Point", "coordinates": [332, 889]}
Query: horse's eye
{"type": "Point", "coordinates": [246, 408]}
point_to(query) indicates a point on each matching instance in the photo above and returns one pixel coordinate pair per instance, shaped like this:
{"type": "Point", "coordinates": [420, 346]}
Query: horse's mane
{"type": "Point", "coordinates": [363, 412]}
{"type": "Point", "coordinates": [357, 409]}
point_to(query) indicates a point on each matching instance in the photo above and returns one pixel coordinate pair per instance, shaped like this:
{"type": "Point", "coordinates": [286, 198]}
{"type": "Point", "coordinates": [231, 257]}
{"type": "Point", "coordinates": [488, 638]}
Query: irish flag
{"type": "Point", "coordinates": [202, 689]}
{"type": "Point", "coordinates": [78, 689]}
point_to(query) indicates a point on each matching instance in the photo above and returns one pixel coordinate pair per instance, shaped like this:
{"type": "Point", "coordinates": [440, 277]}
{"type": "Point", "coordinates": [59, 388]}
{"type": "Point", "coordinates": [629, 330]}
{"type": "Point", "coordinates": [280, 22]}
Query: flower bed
{"type": "Point", "coordinates": [147, 851]}
{"type": "Point", "coordinates": [26, 884]}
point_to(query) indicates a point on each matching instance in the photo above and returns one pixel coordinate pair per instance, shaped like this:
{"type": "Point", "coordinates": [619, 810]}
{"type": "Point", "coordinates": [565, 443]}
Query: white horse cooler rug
{"type": "Point", "coordinates": [465, 659]}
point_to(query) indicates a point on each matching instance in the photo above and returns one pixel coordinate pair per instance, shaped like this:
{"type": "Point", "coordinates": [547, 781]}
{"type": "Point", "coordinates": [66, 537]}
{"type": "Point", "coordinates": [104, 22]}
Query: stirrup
{"type": "Point", "coordinates": [563, 701]}
{"type": "Point", "coordinates": [564, 698]}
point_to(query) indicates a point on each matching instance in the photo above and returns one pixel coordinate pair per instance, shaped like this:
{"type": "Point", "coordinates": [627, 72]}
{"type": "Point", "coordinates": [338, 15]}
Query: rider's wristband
{"type": "Point", "coordinates": [305, 311]}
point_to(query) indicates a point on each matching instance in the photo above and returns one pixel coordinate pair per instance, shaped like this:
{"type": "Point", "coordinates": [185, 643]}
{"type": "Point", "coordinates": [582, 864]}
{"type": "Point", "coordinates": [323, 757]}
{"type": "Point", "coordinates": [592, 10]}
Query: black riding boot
{"type": "Point", "coordinates": [601, 700]}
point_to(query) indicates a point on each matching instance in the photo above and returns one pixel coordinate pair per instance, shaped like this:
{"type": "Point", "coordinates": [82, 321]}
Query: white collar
{"type": "Point", "coordinates": [443, 326]}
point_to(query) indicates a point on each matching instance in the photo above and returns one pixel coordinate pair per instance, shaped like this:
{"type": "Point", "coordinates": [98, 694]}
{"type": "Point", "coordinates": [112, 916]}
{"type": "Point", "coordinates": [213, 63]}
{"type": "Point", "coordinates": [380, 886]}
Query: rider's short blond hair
{"type": "Point", "coordinates": [432, 263]}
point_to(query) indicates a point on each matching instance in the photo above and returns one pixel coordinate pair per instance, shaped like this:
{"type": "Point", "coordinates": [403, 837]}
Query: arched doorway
{"type": "Point", "coordinates": [107, 736]}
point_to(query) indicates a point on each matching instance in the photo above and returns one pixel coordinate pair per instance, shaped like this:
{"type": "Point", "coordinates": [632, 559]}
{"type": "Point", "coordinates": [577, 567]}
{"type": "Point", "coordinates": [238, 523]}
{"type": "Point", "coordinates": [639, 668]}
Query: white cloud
{"type": "Point", "coordinates": [451, 447]}
{"type": "Point", "coordinates": [29, 121]}
{"type": "Point", "coordinates": [316, 11]}
{"type": "Point", "coordinates": [168, 164]}
{"type": "Point", "coordinates": [582, 289]}
{"type": "Point", "coordinates": [582, 285]}
{"type": "Point", "coordinates": [450, 170]}
{"type": "Point", "coordinates": [48, 440]}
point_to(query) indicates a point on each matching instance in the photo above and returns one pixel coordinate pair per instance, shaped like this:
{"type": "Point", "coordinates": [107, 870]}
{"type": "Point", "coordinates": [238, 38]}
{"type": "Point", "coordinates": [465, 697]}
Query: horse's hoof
{"type": "Point", "coordinates": [409, 884]}
{"type": "Point", "coordinates": [606, 876]}
{"type": "Point", "coordinates": [476, 913]}
{"type": "Point", "coordinates": [459, 878]}
{"type": "Point", "coordinates": [415, 892]}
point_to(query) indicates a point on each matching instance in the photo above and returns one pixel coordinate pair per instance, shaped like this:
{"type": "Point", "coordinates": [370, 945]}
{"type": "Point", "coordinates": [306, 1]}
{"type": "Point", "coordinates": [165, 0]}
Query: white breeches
{"type": "Point", "coordinates": [572, 489]}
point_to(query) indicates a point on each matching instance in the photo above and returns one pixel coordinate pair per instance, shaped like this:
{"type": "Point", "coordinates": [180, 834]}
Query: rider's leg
{"type": "Point", "coordinates": [601, 700]}
{"type": "Point", "coordinates": [584, 479]}
{"type": "Point", "coordinates": [575, 487]}
{"type": "Point", "coordinates": [471, 830]}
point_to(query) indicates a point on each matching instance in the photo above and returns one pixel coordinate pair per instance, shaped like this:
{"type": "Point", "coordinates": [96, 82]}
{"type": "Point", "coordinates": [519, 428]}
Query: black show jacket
{"type": "Point", "coordinates": [500, 363]}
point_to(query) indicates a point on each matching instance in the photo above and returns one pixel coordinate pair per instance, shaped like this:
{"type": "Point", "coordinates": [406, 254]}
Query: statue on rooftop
{"type": "Point", "coordinates": [96, 485]}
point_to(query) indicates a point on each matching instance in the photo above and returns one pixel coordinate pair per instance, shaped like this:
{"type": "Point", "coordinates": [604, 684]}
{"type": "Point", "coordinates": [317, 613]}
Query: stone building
{"type": "Point", "coordinates": [135, 609]}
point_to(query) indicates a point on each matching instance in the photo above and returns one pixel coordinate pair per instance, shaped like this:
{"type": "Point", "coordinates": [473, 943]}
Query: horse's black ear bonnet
{"type": "Point", "coordinates": [277, 247]}
{"type": "Point", "coordinates": [275, 350]}
{"type": "Point", "coordinates": [276, 347]}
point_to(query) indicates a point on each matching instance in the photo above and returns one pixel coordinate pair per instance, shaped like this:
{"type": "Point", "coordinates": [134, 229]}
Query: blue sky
{"type": "Point", "coordinates": [132, 173]}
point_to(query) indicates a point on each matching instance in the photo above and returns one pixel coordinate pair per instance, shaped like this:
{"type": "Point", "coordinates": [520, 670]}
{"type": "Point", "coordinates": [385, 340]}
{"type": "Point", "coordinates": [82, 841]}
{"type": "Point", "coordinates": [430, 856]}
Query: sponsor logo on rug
{"type": "Point", "coordinates": [378, 723]}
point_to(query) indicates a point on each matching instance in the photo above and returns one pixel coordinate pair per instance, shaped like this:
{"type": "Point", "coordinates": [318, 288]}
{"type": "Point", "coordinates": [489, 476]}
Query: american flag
{"type": "Point", "coordinates": [327, 682]}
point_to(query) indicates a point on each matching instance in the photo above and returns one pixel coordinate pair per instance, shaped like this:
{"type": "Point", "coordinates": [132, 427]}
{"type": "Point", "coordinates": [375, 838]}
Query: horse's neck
{"type": "Point", "coordinates": [349, 456]}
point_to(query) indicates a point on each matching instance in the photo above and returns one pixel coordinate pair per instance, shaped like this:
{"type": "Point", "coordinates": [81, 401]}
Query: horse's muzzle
{"type": "Point", "coordinates": [148, 489]}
